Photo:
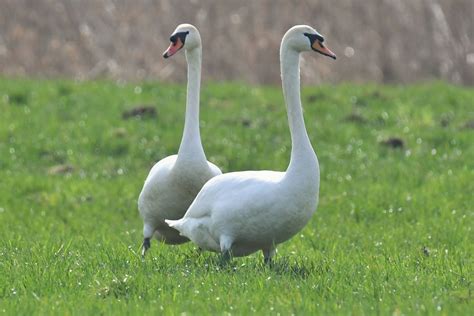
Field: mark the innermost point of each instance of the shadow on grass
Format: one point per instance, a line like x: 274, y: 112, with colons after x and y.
x: 195, y: 261
x: 283, y: 266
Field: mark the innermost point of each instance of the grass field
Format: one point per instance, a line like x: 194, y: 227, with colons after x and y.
x: 393, y: 233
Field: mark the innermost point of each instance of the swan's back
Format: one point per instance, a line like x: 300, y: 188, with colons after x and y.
x: 231, y: 190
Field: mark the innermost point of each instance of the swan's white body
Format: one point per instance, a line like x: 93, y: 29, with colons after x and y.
x: 243, y: 212
x: 174, y: 181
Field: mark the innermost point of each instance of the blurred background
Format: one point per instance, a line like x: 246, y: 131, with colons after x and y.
x: 383, y: 41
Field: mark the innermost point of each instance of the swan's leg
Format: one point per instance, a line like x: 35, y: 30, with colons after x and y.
x: 147, y: 234
x: 145, y: 246
x: 226, y: 248
x: 268, y: 254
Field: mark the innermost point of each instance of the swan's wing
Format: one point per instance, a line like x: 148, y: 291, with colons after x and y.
x: 236, y: 190
x: 158, y: 173
x: 161, y: 167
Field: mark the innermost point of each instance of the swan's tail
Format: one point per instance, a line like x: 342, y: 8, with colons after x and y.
x: 196, y: 230
x: 176, y: 224
x: 183, y: 226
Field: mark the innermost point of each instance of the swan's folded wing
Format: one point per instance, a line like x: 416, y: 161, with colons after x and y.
x: 234, y: 189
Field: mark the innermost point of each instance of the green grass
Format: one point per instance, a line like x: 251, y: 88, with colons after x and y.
x: 392, y: 234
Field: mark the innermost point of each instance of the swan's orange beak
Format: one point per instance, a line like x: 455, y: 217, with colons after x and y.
x: 173, y: 48
x: 320, y: 48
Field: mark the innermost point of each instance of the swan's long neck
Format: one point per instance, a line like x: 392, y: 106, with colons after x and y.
x: 191, y: 147
x: 303, y: 159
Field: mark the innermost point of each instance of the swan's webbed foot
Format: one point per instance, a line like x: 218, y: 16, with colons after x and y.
x: 145, y: 246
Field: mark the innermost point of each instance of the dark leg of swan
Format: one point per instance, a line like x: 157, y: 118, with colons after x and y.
x: 226, y: 249
x: 226, y: 257
x: 147, y: 234
x: 268, y: 255
x: 267, y: 261
x: 145, y: 246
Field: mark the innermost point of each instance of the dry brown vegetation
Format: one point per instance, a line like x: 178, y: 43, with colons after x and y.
x: 375, y: 40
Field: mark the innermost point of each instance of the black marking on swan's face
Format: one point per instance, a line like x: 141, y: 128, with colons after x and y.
x: 180, y: 35
x: 316, y: 43
x: 314, y: 37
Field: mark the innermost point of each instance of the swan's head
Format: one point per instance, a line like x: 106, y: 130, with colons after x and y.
x: 303, y: 38
x: 185, y: 35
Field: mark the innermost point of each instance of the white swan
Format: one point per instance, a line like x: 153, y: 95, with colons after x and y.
x: 174, y: 181
x: 242, y: 212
